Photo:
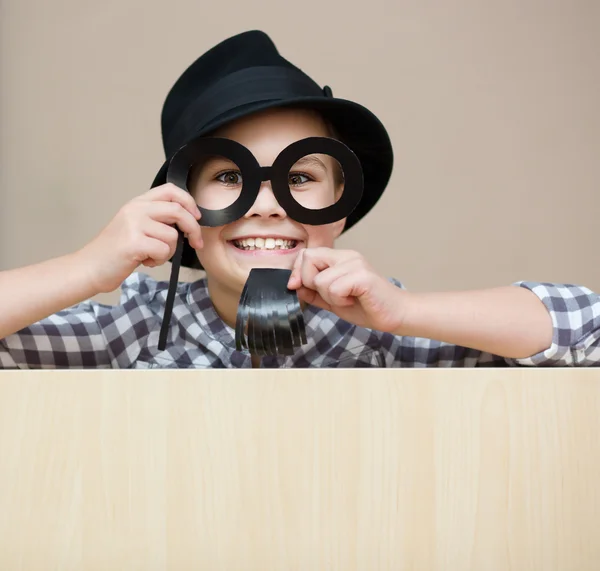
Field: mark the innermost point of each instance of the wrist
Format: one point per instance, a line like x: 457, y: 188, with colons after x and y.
x: 436, y: 315
x: 83, y: 275
x: 407, y: 312
x: 391, y: 312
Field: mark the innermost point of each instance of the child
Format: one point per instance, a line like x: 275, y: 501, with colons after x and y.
x: 243, y: 90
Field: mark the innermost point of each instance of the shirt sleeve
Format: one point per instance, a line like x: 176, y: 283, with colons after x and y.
x: 89, y: 334
x: 575, y: 314
x: 71, y: 338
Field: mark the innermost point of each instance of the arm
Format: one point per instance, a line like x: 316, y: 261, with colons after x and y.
x: 452, y: 339
x: 31, y: 293
x: 142, y: 232
x: 35, y: 329
x: 528, y: 323
x: 510, y: 322
x: 45, y: 320
x: 88, y: 334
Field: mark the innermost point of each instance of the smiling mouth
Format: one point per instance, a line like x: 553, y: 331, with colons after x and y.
x: 265, y: 244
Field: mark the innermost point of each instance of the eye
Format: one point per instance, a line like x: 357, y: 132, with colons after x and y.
x: 296, y: 179
x: 230, y: 177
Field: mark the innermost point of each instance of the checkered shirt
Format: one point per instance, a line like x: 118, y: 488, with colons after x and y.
x: 125, y: 336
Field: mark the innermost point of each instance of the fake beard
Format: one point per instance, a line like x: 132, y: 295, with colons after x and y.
x: 269, y: 318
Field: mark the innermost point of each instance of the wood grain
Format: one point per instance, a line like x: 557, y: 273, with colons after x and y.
x: 300, y: 470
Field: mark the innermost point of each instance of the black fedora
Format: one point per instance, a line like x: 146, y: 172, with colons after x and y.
x: 245, y: 74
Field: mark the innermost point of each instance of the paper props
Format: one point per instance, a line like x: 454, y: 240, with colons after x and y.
x: 269, y: 319
x: 316, y: 181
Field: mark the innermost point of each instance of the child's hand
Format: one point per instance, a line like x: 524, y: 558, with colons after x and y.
x: 341, y: 281
x: 142, y: 232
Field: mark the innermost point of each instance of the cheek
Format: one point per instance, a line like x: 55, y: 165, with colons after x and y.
x: 213, y: 245
x: 320, y: 236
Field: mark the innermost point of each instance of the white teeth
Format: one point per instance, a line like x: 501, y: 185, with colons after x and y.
x: 265, y: 244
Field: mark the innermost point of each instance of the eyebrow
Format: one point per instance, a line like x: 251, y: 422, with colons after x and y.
x: 210, y: 165
x: 311, y: 160
x: 218, y: 161
x: 212, y: 159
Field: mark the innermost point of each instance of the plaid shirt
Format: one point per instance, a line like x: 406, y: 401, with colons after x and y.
x: 125, y: 336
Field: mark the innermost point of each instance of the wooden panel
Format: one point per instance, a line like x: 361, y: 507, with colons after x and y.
x: 457, y: 469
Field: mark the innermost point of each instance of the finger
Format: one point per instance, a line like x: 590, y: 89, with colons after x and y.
x: 323, y: 256
x: 295, y: 280
x: 163, y: 232
x: 171, y: 193
x: 316, y: 260
x: 174, y: 213
x: 310, y: 261
x: 312, y: 297
x: 324, y: 280
x: 154, y: 251
x: 341, y: 291
x: 311, y: 265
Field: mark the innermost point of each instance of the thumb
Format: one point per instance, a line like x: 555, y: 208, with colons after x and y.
x: 311, y: 297
x: 295, y: 280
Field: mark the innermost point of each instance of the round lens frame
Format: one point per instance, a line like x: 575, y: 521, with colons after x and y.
x: 253, y: 175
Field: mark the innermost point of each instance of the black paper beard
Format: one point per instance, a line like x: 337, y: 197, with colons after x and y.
x: 269, y: 318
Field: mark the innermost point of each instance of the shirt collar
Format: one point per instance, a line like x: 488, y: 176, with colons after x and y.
x: 201, y: 306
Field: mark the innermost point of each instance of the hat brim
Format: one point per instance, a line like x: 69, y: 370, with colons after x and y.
x: 357, y: 127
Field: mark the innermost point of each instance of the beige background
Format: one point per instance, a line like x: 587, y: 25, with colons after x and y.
x: 492, y: 108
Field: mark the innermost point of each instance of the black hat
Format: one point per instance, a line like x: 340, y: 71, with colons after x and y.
x: 245, y: 74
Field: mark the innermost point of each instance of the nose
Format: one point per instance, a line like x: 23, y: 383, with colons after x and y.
x: 266, y: 205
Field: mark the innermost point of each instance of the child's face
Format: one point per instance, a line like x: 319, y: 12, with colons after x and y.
x: 215, y: 184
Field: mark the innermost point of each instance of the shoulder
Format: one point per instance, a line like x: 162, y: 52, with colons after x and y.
x: 147, y: 296
x: 142, y: 287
